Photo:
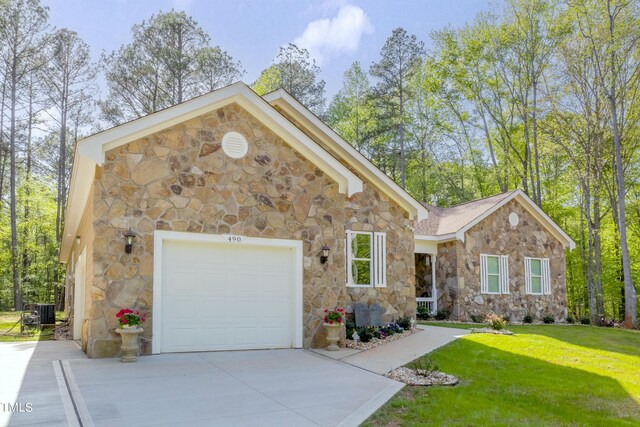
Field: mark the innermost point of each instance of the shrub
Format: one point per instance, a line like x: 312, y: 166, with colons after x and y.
x: 528, y: 318
x: 570, y: 319
x: 506, y: 318
x: 423, y: 313
x: 585, y: 320
x: 424, y: 366
x: 442, y: 315
x: 350, y: 328
x: 496, y: 322
x: 548, y: 319
x: 404, y: 323
x: 365, y: 333
x: 477, y: 318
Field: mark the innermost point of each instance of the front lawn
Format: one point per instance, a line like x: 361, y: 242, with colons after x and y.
x: 548, y: 375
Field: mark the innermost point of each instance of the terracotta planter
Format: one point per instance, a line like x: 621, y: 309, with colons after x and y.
x: 333, y: 335
x: 129, y: 348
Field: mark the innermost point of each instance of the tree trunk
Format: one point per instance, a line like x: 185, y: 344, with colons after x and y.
x: 17, y: 301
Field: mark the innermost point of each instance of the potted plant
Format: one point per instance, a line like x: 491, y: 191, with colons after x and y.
x: 333, y: 323
x: 129, y: 330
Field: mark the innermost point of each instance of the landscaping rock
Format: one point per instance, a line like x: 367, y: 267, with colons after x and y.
x: 420, y: 377
x: 377, y: 342
x: 490, y: 331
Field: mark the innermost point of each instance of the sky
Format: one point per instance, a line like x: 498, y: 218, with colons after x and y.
x: 336, y: 32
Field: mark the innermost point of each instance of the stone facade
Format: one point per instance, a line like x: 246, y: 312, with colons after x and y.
x: 458, y: 270
x: 180, y: 179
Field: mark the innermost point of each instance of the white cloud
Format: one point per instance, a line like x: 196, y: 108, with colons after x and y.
x: 328, y: 37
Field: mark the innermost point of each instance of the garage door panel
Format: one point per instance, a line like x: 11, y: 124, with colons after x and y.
x: 223, y: 297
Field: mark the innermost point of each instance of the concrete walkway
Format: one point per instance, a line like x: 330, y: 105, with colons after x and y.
x: 27, y: 376
x: 397, y: 353
x: 269, y: 387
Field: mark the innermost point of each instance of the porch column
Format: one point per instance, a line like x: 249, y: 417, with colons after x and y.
x: 434, y: 294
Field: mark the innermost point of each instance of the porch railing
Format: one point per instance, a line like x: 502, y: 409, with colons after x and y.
x: 429, y: 303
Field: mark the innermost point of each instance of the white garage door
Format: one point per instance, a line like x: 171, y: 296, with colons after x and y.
x: 218, y: 296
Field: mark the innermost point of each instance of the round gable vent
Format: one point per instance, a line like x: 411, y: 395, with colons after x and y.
x: 234, y: 145
x: 514, y: 219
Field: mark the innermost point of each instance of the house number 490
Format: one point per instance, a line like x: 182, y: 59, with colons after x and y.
x: 234, y: 239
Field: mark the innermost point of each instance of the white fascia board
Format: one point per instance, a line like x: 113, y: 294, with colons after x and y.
x: 95, y: 147
x: 533, y: 209
x: 439, y: 239
x: 349, y: 153
x: 262, y: 110
x: 91, y: 150
x: 82, y: 177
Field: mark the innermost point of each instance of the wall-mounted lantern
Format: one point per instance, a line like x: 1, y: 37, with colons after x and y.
x: 325, y: 254
x: 129, y: 236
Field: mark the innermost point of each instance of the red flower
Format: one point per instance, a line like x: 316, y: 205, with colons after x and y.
x: 339, y: 320
x: 124, y: 320
x: 326, y: 310
x: 142, y: 319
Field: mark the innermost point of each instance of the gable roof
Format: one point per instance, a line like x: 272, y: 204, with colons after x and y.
x: 90, y: 151
x: 444, y: 224
x: 281, y: 98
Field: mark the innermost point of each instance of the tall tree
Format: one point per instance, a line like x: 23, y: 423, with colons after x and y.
x: 168, y: 61
x: 68, y: 77
x: 295, y: 71
x: 612, y: 31
x: 22, y: 24
x: 351, y: 111
x: 402, y: 56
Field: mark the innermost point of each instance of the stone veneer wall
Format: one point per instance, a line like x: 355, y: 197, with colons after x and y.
x: 447, y: 278
x: 180, y: 179
x: 496, y: 236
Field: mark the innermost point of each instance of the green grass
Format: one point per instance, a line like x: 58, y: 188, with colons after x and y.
x: 8, y: 334
x: 549, y: 375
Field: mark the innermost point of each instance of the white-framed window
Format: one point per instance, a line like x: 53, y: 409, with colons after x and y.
x: 366, y: 259
x: 494, y: 274
x: 537, y: 276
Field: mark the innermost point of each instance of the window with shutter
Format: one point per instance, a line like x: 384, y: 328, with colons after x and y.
x: 494, y: 274
x: 537, y: 276
x: 366, y: 259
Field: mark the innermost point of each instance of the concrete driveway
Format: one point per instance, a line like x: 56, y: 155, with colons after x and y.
x: 271, y: 387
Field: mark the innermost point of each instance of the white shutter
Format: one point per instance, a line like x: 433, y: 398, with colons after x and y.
x: 379, y: 260
x: 348, y: 253
x: 546, y: 277
x: 527, y: 275
x: 484, y: 285
x: 504, y: 274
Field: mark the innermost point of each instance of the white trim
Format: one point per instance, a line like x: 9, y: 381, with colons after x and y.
x: 440, y: 239
x: 532, y: 208
x: 380, y: 260
x: 345, y: 150
x: 526, y: 202
x: 159, y: 236
x: 91, y: 150
x: 79, y: 282
x: 425, y: 247
x: 503, y: 274
x: 377, y: 259
x: 545, y: 276
x: 350, y: 258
